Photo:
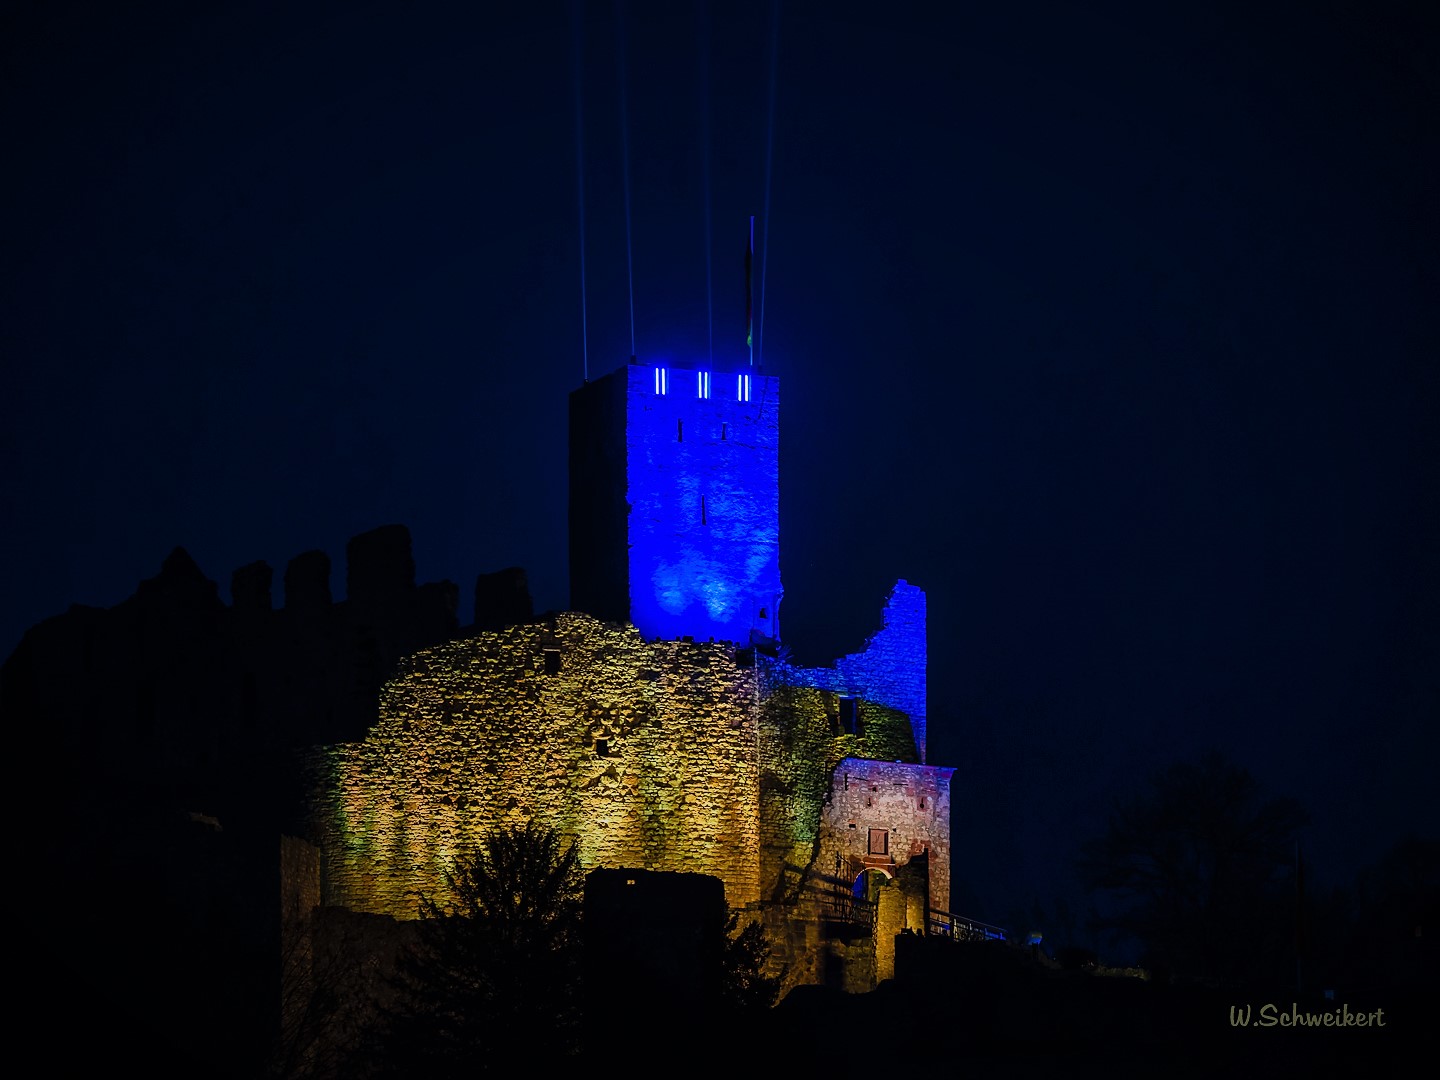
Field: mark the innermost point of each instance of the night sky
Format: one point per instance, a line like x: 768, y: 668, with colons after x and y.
x: 1114, y: 330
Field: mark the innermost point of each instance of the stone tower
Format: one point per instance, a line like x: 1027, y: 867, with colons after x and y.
x: 675, y: 502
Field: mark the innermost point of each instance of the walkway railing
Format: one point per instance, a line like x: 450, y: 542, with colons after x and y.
x: 961, y: 928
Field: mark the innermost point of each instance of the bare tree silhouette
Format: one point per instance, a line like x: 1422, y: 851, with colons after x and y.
x: 1201, y: 867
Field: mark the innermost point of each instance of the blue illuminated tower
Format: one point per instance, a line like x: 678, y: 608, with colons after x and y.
x: 675, y: 502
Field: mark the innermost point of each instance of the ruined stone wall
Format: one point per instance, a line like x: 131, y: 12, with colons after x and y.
x: 890, y: 919
x: 890, y: 670
x: 645, y: 753
x: 801, y: 743
x: 909, y: 804
x: 172, y: 690
x: 807, y: 950
x: 820, y: 939
x: 299, y: 880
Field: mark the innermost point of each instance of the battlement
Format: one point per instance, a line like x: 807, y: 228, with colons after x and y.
x: 701, y: 381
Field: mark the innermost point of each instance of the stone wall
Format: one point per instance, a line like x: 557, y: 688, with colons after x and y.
x: 645, y: 753
x: 669, y: 755
x: 907, y: 809
x: 174, y: 687
x: 890, y: 670
x: 299, y: 880
x: 663, y: 755
x: 801, y: 745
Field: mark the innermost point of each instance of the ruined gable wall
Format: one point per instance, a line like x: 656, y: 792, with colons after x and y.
x: 890, y: 670
x: 476, y: 734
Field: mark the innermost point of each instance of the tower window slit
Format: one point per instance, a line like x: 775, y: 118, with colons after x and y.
x: 849, y: 716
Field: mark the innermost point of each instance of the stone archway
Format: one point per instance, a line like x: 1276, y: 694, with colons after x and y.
x: 867, y: 884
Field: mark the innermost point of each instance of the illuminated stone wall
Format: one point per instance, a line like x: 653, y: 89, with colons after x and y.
x: 644, y: 752
x: 890, y: 670
x: 668, y: 755
x: 802, y: 744
x: 909, y: 804
x: 658, y: 755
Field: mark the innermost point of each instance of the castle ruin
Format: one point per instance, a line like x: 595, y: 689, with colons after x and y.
x: 659, y: 726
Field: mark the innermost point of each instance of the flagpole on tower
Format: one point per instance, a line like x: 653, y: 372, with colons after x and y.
x: 749, y: 294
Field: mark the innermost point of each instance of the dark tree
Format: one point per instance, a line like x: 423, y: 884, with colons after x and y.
x: 334, y: 965
x: 745, y: 983
x: 494, y: 968
x: 1387, y: 939
x: 1200, y: 869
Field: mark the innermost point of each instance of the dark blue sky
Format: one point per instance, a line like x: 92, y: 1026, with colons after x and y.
x: 1114, y: 330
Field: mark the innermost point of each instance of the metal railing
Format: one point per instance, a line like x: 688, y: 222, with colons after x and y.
x: 946, y: 924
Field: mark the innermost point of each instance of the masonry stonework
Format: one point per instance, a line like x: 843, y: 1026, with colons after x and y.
x: 879, y: 815
x: 890, y: 670
x: 644, y: 753
x: 682, y: 756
